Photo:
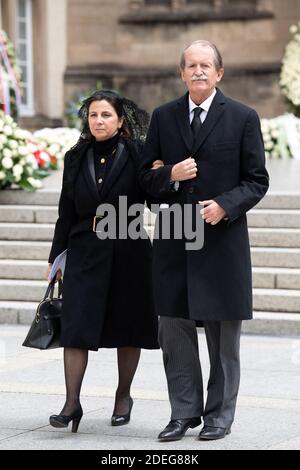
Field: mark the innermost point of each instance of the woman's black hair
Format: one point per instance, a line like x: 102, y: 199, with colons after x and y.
x: 135, y: 120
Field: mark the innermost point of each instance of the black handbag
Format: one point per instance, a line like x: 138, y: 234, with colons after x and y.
x: 44, y: 332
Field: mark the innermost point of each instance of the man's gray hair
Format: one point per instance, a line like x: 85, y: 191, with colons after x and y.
x: 201, y: 42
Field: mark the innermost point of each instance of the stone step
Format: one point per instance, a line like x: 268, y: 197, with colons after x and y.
x: 23, y: 269
x: 264, y: 323
x: 275, y: 257
x: 12, y: 312
x: 23, y: 231
x: 22, y: 290
x: 275, y: 237
x: 270, y: 278
x: 274, y: 324
x: 20, y: 250
x: 30, y: 214
x: 276, y: 278
x: 276, y: 300
x: 264, y: 237
x: 277, y: 218
x: 40, y: 197
x: 280, y: 200
x: 264, y: 218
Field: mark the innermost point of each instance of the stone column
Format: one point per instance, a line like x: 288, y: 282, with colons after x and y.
x: 8, y: 18
x: 50, y: 31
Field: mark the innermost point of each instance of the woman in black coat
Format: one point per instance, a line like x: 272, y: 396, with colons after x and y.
x: 107, y: 290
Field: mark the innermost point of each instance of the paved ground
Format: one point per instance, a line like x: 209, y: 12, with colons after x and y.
x: 32, y: 388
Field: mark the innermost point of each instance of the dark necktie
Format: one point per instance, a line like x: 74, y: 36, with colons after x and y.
x: 196, y: 122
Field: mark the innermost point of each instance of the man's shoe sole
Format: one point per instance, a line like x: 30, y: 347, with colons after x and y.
x: 204, y: 438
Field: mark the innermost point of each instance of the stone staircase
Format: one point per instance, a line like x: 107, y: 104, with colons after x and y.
x: 27, y: 225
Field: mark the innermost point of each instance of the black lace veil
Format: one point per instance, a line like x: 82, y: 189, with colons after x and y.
x: 136, y: 120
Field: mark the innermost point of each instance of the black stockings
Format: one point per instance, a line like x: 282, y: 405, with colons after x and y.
x: 75, y: 362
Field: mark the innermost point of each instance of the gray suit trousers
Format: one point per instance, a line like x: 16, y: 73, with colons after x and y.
x: 178, y: 340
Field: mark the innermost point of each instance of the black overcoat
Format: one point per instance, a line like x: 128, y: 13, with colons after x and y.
x: 107, y: 287
x: 212, y: 283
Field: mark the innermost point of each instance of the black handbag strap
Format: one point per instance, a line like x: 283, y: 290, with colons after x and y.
x: 50, y: 289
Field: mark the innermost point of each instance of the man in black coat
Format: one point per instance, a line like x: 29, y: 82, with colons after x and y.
x: 208, y: 153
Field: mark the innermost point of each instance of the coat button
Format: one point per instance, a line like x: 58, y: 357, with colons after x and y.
x: 191, y: 190
x: 102, y: 160
x: 100, y: 180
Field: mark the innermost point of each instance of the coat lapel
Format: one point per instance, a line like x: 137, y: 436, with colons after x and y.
x: 120, y: 159
x: 182, y: 117
x: 215, y: 112
x: 89, y: 173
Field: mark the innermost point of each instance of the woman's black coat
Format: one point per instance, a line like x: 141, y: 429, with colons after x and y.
x: 107, y: 291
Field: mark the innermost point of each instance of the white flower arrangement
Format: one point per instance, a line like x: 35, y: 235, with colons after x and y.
x: 281, y: 136
x: 18, y: 166
x: 290, y: 71
x: 57, y: 142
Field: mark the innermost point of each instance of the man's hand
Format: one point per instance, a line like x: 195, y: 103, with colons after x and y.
x: 157, y: 164
x: 185, y: 170
x: 212, y: 213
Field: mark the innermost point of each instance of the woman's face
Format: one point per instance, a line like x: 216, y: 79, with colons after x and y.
x: 104, y: 122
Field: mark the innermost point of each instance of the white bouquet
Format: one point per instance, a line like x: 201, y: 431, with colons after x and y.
x: 18, y: 166
x: 57, y: 142
x: 275, y: 138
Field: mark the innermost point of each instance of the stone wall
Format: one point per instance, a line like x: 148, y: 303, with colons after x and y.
x: 136, y: 49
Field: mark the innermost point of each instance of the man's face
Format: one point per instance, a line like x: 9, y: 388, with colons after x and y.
x: 200, y: 73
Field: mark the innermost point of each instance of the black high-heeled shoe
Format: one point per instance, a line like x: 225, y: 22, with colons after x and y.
x: 119, y: 420
x: 62, y: 421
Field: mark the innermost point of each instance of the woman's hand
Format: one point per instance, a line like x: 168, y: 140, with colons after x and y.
x: 58, y: 274
x: 157, y: 164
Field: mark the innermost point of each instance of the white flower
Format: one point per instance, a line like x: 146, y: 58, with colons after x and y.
x: 290, y: 71
x: 293, y: 29
x: 21, y: 134
x: 7, y: 130
x: 268, y: 145
x: 31, y: 160
x: 45, y: 156
x: 34, y: 182
x: 7, y: 153
x: 13, y: 144
x: 23, y: 150
x: 53, y: 149
x: 8, y: 119
x: 2, y: 175
x: 17, y: 170
x: 7, y: 163
x: 3, y: 138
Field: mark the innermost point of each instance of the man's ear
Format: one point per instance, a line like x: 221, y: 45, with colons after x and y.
x: 220, y: 74
x: 182, y: 75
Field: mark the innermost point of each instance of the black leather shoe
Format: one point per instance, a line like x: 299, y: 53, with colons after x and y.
x: 62, y: 421
x: 119, y: 420
x: 177, y: 428
x: 210, y: 433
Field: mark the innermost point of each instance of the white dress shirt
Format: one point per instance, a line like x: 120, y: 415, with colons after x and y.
x: 205, y: 106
